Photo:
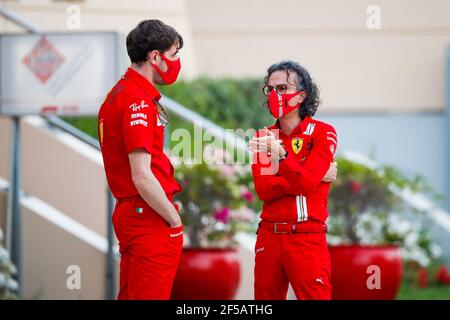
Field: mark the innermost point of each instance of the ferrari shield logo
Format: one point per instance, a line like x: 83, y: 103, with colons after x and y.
x: 297, y: 144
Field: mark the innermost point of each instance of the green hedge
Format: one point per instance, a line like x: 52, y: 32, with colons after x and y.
x: 230, y: 103
x: 86, y: 124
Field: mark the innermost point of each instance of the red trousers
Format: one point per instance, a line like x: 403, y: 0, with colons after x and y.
x: 150, y: 251
x: 300, y: 259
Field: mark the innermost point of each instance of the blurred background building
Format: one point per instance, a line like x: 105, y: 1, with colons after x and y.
x: 384, y: 89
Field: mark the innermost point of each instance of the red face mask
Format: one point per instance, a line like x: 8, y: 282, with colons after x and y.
x: 173, y: 69
x: 278, y: 103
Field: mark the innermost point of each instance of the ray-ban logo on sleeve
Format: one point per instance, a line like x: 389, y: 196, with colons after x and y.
x: 135, y: 107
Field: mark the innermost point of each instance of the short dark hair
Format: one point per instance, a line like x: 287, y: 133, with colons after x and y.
x: 151, y: 35
x: 305, y: 82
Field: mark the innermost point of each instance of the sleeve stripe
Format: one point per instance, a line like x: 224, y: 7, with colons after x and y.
x: 332, y: 133
x: 329, y: 138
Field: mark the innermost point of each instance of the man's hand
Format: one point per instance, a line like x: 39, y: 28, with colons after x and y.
x: 331, y: 174
x: 176, y: 222
x: 150, y: 189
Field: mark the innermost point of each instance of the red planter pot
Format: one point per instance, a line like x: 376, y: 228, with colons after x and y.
x: 207, y: 274
x: 351, y: 271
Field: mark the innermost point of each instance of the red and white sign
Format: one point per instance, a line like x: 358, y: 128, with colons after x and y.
x: 43, y: 60
x: 59, y: 73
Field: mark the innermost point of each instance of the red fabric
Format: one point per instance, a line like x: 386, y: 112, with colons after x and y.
x: 279, y: 103
x: 309, y: 226
x: 292, y: 190
x: 150, y: 251
x: 300, y: 259
x: 173, y: 69
x: 128, y: 120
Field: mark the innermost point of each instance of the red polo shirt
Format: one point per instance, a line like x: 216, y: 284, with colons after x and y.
x: 128, y: 120
x: 293, y: 190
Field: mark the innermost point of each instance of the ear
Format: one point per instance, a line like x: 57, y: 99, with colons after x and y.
x: 302, y: 96
x: 299, y: 98
x: 153, y: 57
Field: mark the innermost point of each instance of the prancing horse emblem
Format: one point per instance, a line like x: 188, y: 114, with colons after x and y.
x: 297, y: 144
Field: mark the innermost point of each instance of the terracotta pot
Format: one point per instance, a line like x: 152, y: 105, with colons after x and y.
x: 355, y: 268
x: 207, y: 274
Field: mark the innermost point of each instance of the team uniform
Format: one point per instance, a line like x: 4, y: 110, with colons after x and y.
x: 291, y: 239
x: 150, y: 250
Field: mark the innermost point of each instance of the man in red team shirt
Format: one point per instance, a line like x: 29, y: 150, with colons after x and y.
x: 131, y: 133
x: 292, y: 168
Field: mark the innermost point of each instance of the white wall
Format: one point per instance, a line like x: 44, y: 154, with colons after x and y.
x: 398, y: 68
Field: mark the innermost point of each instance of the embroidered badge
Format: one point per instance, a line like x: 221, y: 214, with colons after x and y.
x: 297, y: 144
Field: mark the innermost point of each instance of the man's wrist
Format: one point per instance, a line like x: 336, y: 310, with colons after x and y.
x: 175, y: 222
x: 283, y: 156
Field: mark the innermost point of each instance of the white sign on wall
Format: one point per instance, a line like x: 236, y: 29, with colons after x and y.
x: 62, y: 73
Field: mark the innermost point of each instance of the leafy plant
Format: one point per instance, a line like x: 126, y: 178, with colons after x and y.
x: 216, y: 203
x: 365, y: 210
x: 231, y: 103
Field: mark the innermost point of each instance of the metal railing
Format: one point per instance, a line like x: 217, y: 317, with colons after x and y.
x: 14, y: 214
x: 18, y: 20
x: 14, y: 221
x: 57, y: 122
x: 73, y: 131
x: 187, y: 114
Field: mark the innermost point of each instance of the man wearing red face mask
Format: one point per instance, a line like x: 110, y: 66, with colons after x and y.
x: 293, y: 167
x: 131, y: 132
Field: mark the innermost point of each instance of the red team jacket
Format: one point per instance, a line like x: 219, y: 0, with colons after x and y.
x: 292, y: 190
x: 128, y: 120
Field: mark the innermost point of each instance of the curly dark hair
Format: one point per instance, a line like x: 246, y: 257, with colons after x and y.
x: 151, y: 35
x: 305, y: 82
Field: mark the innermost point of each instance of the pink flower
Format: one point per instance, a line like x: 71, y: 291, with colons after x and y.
x: 226, y: 170
x: 222, y: 215
x: 247, y: 195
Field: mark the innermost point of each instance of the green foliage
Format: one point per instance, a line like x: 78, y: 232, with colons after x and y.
x: 433, y: 290
x: 231, y: 103
x: 359, y: 189
x: 216, y: 202
x: 431, y: 293
x: 365, y: 209
x: 87, y: 124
